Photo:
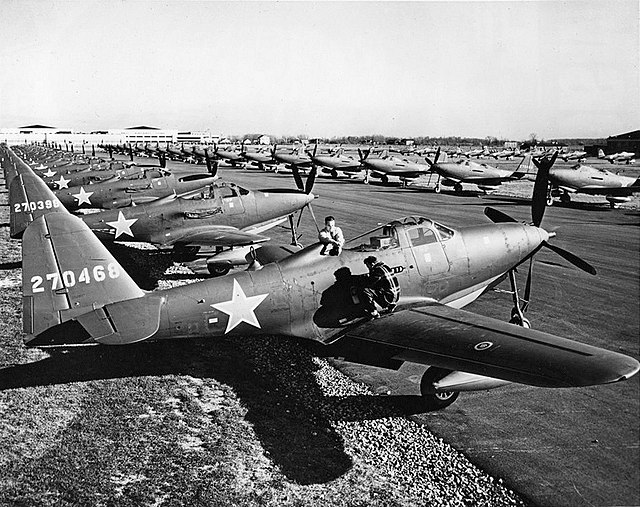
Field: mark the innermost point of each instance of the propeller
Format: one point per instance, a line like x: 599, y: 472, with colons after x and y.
x: 538, y: 206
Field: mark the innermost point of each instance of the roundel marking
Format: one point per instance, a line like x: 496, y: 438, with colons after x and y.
x: 483, y: 345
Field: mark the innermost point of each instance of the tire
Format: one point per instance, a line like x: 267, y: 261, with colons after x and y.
x: 385, y: 180
x: 432, y: 400
x: 334, y: 173
x: 565, y: 199
x: 458, y: 188
x: 218, y: 269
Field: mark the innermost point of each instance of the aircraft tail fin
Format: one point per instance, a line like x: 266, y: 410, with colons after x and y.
x: 68, y: 277
x: 29, y: 198
x: 524, y: 168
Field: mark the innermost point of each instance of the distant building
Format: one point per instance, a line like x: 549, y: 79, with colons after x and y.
x: 511, y: 145
x: 196, y: 137
x: 624, y: 142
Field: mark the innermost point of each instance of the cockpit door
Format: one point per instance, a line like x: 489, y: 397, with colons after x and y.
x: 427, y: 251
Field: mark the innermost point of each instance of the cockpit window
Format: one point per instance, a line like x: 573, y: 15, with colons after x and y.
x: 421, y: 236
x: 445, y: 232
x: 243, y: 191
x: 228, y: 192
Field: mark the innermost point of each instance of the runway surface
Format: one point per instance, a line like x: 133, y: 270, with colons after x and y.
x: 554, y: 447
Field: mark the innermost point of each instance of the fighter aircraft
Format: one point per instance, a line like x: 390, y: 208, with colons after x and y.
x: 386, y: 166
x: 220, y: 215
x: 486, y: 177
x: 506, y: 154
x: 585, y: 179
x: 75, y: 292
x: 573, y: 155
x: 477, y: 153
x: 232, y: 157
x: 151, y: 184
x: 295, y: 158
x: 623, y: 156
x: 261, y: 158
x: 335, y: 162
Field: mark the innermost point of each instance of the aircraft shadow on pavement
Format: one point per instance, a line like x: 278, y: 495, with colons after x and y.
x: 273, y: 377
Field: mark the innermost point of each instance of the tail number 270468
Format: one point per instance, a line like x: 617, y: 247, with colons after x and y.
x: 68, y: 278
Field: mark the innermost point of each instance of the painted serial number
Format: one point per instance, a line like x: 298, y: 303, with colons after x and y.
x: 67, y: 279
x: 35, y: 205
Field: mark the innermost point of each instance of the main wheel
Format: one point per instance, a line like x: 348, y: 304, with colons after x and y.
x: 458, y: 188
x: 385, y: 180
x: 334, y: 173
x: 565, y: 198
x: 217, y: 269
x: 432, y: 399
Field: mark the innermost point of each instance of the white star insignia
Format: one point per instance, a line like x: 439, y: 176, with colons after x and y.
x: 49, y: 173
x: 83, y: 196
x: 241, y: 308
x: 122, y: 225
x: 62, y: 183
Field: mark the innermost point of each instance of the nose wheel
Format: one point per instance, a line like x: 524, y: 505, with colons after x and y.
x: 517, y: 312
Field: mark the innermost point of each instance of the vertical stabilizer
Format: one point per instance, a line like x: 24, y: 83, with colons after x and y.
x: 67, y: 272
x: 526, y: 167
x: 29, y: 198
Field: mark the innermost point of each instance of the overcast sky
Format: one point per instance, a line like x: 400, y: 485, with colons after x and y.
x: 504, y: 69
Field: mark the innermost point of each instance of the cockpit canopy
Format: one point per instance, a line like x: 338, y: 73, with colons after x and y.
x: 222, y: 190
x: 406, y: 232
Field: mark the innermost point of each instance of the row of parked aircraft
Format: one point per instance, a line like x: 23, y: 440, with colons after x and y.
x: 563, y: 181
x: 76, y: 292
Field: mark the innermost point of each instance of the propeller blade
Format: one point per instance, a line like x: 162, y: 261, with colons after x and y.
x: 435, y: 160
x: 540, y: 187
x: 93, y: 150
x: 212, y: 165
x: 83, y: 152
x: 311, y: 179
x: 296, y: 177
x: 572, y: 258
x: 498, y: 217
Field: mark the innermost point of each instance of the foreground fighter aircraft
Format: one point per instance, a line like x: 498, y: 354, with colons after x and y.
x: 486, y: 177
x: 585, y: 179
x: 75, y: 292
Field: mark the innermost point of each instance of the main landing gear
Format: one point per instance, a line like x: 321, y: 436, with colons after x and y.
x: 517, y: 312
x: 435, y: 400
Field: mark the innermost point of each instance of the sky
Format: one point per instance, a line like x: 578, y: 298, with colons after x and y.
x: 423, y: 68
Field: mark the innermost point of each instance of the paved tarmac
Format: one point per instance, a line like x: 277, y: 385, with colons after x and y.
x: 554, y: 447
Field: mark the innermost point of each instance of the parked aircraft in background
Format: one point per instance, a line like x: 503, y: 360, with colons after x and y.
x: 573, y: 155
x: 584, y: 179
x: 261, y: 157
x: 335, y: 162
x: 219, y: 215
x: 385, y: 166
x: 477, y: 153
x: 76, y: 292
x: 151, y: 184
x: 623, y: 156
x: 507, y: 154
x: 295, y: 158
x: 486, y: 177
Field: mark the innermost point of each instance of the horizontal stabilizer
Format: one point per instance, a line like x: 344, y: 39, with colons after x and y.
x: 454, y: 339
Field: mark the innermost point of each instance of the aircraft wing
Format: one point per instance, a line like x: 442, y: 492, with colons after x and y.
x: 218, y: 235
x: 615, y: 191
x: 458, y: 340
